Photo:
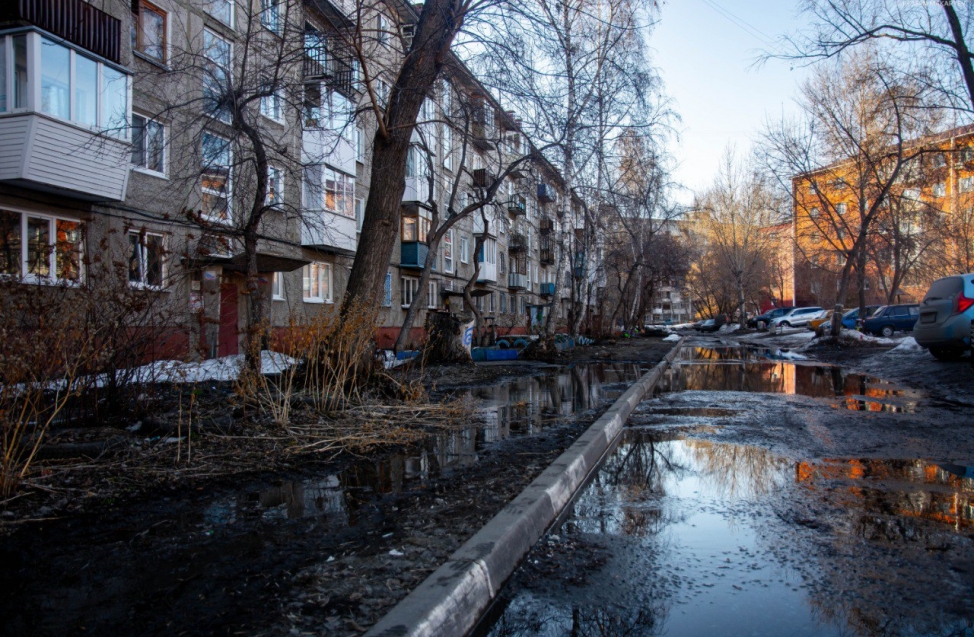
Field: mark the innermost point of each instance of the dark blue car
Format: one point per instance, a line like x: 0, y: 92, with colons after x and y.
x: 849, y: 318
x: 891, y: 318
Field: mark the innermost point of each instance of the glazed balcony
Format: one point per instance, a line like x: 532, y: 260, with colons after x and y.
x: 412, y: 255
x: 517, y: 281
x: 547, y: 289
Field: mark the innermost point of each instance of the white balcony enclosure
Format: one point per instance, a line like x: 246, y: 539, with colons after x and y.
x: 417, y: 191
x: 42, y: 153
x: 64, y: 117
x: 488, y: 273
x: 324, y: 146
x: 323, y: 229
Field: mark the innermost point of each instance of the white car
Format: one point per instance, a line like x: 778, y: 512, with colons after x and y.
x: 796, y: 317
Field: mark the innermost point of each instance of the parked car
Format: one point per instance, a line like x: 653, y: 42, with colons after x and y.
x: 817, y: 323
x: 706, y: 325
x: 891, y: 318
x: 796, y: 317
x: 760, y: 322
x: 945, y: 317
x: 850, y: 318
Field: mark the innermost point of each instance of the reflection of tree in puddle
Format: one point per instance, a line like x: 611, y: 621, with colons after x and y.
x: 738, y: 470
x: 581, y: 621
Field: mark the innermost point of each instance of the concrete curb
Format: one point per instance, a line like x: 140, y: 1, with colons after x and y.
x: 452, y: 598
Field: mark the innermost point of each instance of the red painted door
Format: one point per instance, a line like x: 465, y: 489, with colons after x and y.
x: 229, y: 333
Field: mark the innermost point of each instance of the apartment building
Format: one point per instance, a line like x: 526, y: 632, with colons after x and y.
x: 923, y: 230
x: 135, y: 138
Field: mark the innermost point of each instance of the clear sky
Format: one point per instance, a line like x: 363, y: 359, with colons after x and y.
x: 705, y: 51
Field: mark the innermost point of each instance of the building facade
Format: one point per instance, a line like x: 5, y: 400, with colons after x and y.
x: 136, y: 138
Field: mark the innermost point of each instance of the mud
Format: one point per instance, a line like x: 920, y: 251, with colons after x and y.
x: 320, y: 549
x: 758, y: 496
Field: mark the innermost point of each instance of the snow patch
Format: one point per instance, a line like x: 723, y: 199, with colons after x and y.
x: 672, y: 338
x: 908, y: 346
x: 217, y: 369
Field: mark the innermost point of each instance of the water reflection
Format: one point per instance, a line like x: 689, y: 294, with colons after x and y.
x: 533, y: 618
x: 748, y: 370
x: 735, y: 540
x: 521, y: 407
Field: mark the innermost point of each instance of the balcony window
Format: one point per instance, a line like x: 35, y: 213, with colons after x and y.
x: 71, y: 86
x: 215, y: 178
x: 316, y: 283
x: 217, y: 52
x: 146, y: 256
x: 42, y: 248
x: 149, y: 31
x: 329, y: 189
x: 148, y: 144
x: 275, y: 187
x: 415, y: 229
x: 448, y: 252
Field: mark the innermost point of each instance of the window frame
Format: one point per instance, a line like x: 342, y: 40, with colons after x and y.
x: 226, y: 69
x: 142, y: 283
x: 143, y: 167
x: 269, y: 7
x: 138, y: 30
x: 277, y: 287
x: 229, y: 180
x: 387, y: 290
x: 272, y: 107
x: 230, y: 6
x: 408, y: 287
x: 323, y: 281
x: 449, y: 262
x: 275, y: 178
x: 464, y: 250
x: 53, y: 277
x: 432, y: 295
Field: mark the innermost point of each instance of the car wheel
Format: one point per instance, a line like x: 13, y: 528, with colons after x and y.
x: 762, y: 325
x: 785, y: 324
x: 946, y: 353
x: 887, y: 331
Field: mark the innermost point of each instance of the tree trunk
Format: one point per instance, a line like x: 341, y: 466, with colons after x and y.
x: 962, y: 53
x: 438, y: 24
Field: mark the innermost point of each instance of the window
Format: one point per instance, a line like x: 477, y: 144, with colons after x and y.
x: 40, y: 248
x: 415, y: 228
x: 215, y: 75
x: 814, y: 212
x: 272, y: 106
x: 148, y: 144
x: 149, y: 31
x: 938, y: 160
x: 359, y: 145
x: 381, y: 29
x: 145, y: 260
x: 275, y: 187
x: 965, y: 184
x: 939, y: 190
x: 432, y: 295
x: 328, y: 189
x: 503, y: 303
x: 215, y: 178
x: 69, y: 85
x: 840, y: 208
x: 222, y: 10
x: 270, y: 15
x: 448, y: 252
x: 409, y: 287
x: 464, y: 250
x: 277, y: 286
x: 316, y: 283
x: 447, y: 149
x: 387, y: 291
x: 382, y: 92
x: 966, y: 154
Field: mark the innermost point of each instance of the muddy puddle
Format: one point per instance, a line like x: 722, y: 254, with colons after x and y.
x: 520, y: 407
x: 749, y: 369
x: 677, y: 535
x: 690, y: 537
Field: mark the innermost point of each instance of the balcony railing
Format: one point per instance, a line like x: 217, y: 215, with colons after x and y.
x: 413, y: 254
x: 517, y: 243
x: 547, y: 256
x: 482, y: 178
x: 74, y: 20
x: 546, y: 194
x: 547, y: 289
x: 546, y: 225
x: 517, y: 206
x: 328, y: 60
x: 517, y: 281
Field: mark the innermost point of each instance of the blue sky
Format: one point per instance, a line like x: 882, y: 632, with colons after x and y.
x: 705, y: 51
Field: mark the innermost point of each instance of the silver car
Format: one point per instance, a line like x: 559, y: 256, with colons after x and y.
x: 945, y: 317
x: 796, y: 317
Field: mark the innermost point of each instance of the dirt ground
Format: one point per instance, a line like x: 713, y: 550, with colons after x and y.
x: 234, y: 553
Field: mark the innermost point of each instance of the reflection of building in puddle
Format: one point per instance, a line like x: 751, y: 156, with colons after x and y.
x: 322, y: 497
x: 890, y: 487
